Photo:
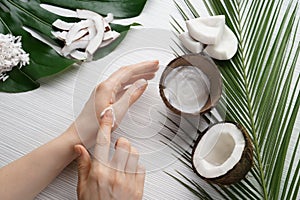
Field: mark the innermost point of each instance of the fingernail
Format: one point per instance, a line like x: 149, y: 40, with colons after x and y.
x: 108, y: 114
x: 141, y: 83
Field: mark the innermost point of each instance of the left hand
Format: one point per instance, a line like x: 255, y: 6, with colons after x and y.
x: 112, y: 92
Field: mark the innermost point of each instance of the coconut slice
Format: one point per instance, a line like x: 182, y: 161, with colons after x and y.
x: 62, y: 25
x: 96, y: 41
x: 226, y: 48
x: 223, y: 154
x: 76, y: 28
x: 79, y: 44
x: 189, y: 43
x: 191, y: 84
x: 110, y: 35
x: 109, y: 18
x: 207, y: 30
x: 108, y: 42
x: 80, y: 34
x: 79, y: 55
x: 88, y: 35
x: 61, y: 35
x: 92, y: 31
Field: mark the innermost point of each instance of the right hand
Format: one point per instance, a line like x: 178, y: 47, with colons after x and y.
x: 122, y: 178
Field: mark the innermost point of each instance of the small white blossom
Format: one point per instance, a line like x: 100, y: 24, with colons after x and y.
x: 11, y: 54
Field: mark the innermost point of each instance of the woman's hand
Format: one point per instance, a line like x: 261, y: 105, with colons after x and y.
x: 100, y: 179
x: 113, y: 91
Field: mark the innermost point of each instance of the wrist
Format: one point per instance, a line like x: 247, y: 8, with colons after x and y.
x: 72, y: 135
x: 70, y: 138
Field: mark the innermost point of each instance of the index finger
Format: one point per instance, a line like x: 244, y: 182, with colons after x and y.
x: 101, y: 150
x: 124, y: 74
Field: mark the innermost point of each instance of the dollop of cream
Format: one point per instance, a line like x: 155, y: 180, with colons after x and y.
x: 187, y: 89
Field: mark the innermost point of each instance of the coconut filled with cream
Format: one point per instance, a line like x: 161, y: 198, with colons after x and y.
x: 191, y: 84
x: 187, y: 89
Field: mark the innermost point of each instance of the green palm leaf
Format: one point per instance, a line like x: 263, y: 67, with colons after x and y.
x: 44, y: 61
x: 259, y: 94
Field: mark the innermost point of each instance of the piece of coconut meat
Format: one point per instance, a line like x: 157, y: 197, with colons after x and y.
x: 226, y: 48
x: 96, y: 41
x: 79, y: 55
x: 105, y: 43
x: 79, y: 44
x: 62, y: 25
x: 76, y: 28
x: 109, y: 18
x: 207, y: 30
x: 61, y: 35
x: 88, y: 35
x: 189, y: 43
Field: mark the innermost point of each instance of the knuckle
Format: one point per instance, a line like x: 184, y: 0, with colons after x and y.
x: 119, y: 180
x: 104, y: 86
x: 105, y: 122
x: 97, y: 173
x: 103, y: 141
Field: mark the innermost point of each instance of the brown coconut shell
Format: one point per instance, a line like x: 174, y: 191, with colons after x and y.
x: 208, y: 67
x: 240, y: 170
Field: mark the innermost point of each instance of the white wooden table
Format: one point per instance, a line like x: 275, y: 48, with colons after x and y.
x: 31, y: 119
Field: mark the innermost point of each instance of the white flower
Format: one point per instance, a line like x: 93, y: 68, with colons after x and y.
x: 11, y: 54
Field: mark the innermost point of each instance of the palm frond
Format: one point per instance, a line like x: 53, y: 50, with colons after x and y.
x: 260, y: 94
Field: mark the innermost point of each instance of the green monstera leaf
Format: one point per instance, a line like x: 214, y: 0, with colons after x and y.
x: 120, y: 8
x: 44, y: 61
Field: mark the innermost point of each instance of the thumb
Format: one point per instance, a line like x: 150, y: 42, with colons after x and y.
x: 133, y: 93
x: 83, y: 163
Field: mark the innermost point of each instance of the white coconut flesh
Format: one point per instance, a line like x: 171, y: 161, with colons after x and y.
x: 62, y: 25
x: 76, y: 29
x: 226, y: 48
x: 96, y: 41
x: 189, y: 43
x: 207, y: 30
x: 187, y: 89
x: 82, y: 39
x: 219, y: 150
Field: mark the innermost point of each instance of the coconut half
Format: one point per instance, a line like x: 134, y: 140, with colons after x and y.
x: 223, y: 154
x: 207, y: 30
x: 191, y: 84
